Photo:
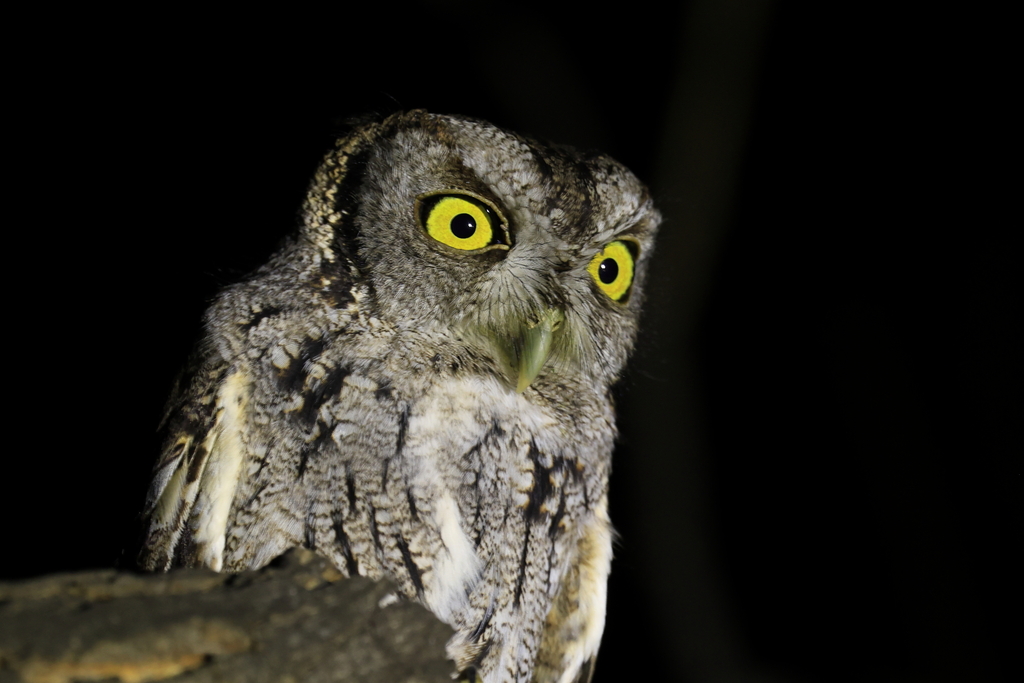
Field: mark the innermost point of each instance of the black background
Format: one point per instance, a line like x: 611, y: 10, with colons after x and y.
x: 820, y: 469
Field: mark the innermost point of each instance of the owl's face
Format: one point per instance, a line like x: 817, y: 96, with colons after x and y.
x: 530, y: 255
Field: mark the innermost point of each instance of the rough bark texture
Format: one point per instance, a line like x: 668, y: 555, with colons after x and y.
x: 295, y: 621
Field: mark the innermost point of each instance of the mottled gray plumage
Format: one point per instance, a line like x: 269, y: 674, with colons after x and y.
x: 433, y: 414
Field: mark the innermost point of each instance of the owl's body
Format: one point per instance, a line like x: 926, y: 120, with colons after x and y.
x: 415, y: 409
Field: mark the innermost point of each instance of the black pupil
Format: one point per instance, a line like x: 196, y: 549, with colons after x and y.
x: 463, y: 226
x: 608, y: 271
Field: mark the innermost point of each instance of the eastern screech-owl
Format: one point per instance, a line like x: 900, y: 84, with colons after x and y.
x: 417, y: 386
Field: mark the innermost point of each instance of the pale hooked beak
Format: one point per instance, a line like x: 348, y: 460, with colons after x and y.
x: 537, y: 338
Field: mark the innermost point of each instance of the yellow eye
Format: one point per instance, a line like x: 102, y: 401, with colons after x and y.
x: 459, y: 222
x: 612, y: 269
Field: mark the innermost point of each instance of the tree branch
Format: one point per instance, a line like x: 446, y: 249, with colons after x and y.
x: 295, y: 621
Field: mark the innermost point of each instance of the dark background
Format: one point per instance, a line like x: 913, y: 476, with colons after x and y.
x: 819, y: 476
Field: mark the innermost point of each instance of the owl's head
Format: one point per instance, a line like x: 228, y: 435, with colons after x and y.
x: 529, y: 255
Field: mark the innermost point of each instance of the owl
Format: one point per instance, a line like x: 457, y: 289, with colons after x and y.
x: 417, y: 386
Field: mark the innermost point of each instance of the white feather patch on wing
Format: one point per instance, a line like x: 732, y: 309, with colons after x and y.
x: 166, y: 507
x: 164, y: 478
x: 169, y: 514
x: 455, y: 569
x: 220, y: 478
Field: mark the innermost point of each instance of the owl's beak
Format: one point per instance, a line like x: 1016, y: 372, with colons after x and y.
x: 537, y: 338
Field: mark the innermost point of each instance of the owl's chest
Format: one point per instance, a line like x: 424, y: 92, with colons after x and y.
x: 486, y: 469
x: 498, y: 454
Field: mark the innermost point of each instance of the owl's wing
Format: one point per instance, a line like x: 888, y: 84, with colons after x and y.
x: 200, y: 427
x: 284, y: 445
